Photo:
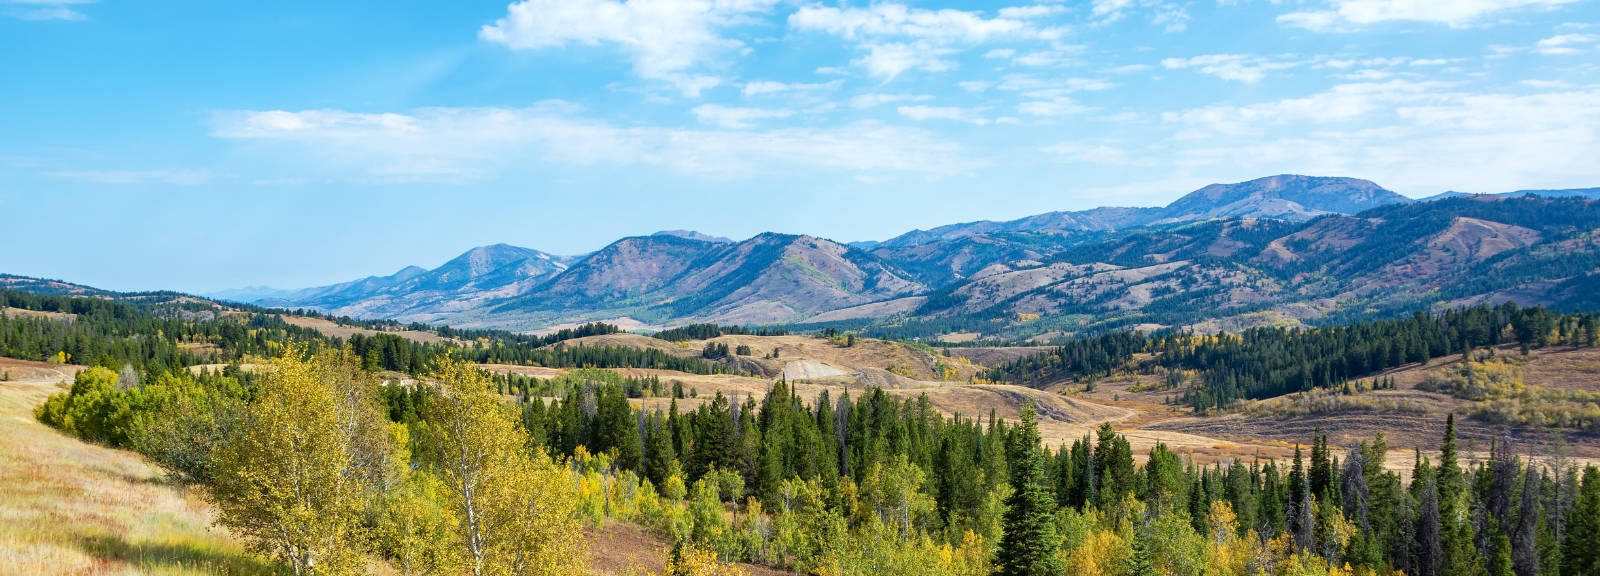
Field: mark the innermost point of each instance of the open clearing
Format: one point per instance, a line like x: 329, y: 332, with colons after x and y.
x: 332, y: 329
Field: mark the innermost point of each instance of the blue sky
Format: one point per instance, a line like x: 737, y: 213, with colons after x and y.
x: 205, y: 145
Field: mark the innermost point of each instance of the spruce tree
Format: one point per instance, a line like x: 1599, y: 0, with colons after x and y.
x: 1580, y: 554
x: 1029, y: 544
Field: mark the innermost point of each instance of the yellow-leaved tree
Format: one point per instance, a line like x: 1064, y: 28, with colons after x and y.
x: 515, y: 510
x: 309, y: 453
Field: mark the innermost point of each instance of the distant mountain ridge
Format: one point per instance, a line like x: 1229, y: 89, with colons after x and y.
x: 1286, y: 196
x: 1231, y: 239
x: 1590, y: 193
x: 249, y: 294
x: 474, y: 278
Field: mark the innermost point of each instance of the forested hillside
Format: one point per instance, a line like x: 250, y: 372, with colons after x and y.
x: 451, y: 482
x: 177, y: 332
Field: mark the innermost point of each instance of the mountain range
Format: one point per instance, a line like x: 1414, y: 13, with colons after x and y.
x: 1278, y: 249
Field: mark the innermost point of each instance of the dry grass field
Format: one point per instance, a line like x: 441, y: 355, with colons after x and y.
x: 331, y: 329
x: 67, y: 507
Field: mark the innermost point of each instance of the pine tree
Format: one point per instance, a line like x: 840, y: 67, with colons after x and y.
x: 1580, y: 553
x: 660, y: 457
x: 1029, y: 544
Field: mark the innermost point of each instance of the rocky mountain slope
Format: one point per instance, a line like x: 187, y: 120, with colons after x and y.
x: 1283, y: 249
x: 471, y: 280
x: 766, y: 279
x: 1233, y: 273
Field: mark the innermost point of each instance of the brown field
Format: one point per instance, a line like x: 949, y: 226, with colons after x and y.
x: 22, y: 370
x: 19, y: 312
x: 331, y: 329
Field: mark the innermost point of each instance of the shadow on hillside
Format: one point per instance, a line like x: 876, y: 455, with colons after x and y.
x: 148, y: 557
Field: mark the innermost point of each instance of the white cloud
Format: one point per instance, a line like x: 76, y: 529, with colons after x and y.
x: 464, y: 144
x: 1344, y: 102
x: 968, y: 115
x: 870, y: 100
x: 1040, y: 58
x: 1036, y: 87
x: 1172, y: 17
x: 1112, y: 8
x: 1422, y: 136
x: 43, y: 9
x: 1128, y: 69
x: 974, y: 85
x: 887, y: 20
x: 665, y: 38
x: 1546, y: 84
x: 1000, y: 53
x: 733, y: 117
x: 899, y: 38
x: 891, y: 59
x: 1565, y: 44
x: 758, y: 87
x: 1094, y: 154
x: 1059, y: 106
x: 1048, y: 97
x: 1241, y: 67
x: 1345, y: 15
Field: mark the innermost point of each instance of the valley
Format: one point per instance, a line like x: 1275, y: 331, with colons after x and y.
x: 790, y: 403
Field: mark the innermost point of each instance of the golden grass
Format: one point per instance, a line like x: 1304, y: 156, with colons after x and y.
x: 68, y: 507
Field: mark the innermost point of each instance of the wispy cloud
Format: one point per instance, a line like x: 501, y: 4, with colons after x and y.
x: 43, y: 9
x: 870, y: 100
x: 1347, y: 15
x: 758, y: 87
x: 1411, y: 134
x: 1566, y: 44
x: 898, y: 38
x: 1090, y: 153
x: 462, y: 144
x: 734, y: 117
x: 1239, y: 67
x: 666, y: 39
x: 968, y: 115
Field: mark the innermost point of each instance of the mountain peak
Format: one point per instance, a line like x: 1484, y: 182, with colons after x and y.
x: 1285, y: 196
x: 693, y: 235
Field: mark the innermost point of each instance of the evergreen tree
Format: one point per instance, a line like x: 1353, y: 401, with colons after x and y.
x: 1029, y: 544
x: 1580, y: 553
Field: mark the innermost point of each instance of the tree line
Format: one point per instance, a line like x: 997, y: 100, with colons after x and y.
x: 709, y: 331
x: 117, y: 333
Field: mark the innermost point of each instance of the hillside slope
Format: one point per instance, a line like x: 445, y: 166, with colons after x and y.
x: 76, y: 508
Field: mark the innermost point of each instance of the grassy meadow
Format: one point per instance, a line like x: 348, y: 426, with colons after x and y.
x: 68, y: 507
